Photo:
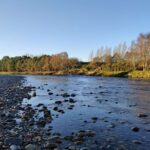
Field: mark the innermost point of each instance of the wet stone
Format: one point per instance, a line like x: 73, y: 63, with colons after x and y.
x: 135, y: 129
x: 14, y: 147
x: 136, y: 142
x: 84, y: 148
x: 34, y: 94
x: 41, y: 122
x: 65, y: 95
x: 30, y: 147
x: 55, y: 108
x: 13, y: 141
x: 71, y: 148
x: 58, y: 102
x: 121, y: 147
x: 71, y: 100
x: 50, y: 93
x: 73, y: 95
x: 51, y: 146
x: 142, y: 115
x: 39, y: 105
x: 94, y: 118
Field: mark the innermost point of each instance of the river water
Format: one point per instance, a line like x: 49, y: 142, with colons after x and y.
x: 107, y: 106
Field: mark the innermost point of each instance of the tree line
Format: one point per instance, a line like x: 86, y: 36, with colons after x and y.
x: 121, y: 58
x: 38, y: 64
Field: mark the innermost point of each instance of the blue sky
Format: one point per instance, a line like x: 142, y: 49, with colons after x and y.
x: 76, y: 26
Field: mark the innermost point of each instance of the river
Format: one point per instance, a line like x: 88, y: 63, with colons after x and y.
x: 110, y: 107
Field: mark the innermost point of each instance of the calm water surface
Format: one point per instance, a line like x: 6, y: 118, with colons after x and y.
x: 116, y: 102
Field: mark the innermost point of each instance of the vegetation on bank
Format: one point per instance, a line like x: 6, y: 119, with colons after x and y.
x: 121, y: 61
x: 139, y: 74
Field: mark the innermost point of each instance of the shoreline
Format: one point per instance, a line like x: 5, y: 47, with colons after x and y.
x: 122, y: 74
x: 27, y: 126
x: 12, y: 93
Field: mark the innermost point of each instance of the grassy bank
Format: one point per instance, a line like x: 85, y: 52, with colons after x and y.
x: 133, y: 74
x: 139, y: 74
x: 72, y: 72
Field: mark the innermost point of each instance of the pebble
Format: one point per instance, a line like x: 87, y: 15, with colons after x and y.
x: 71, y: 148
x: 84, y: 148
x: 34, y: 94
x: 136, y: 142
x: 142, y: 115
x: 135, y: 129
x: 121, y: 147
x: 30, y: 147
x: 14, y: 147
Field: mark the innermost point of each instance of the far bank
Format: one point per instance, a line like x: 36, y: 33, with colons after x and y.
x: 124, y: 74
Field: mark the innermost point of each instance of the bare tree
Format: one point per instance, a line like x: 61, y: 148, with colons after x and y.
x: 91, y: 56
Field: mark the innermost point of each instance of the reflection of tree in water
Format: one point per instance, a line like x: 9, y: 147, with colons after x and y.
x: 140, y: 95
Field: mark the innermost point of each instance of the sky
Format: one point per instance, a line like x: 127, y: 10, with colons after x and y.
x: 39, y: 27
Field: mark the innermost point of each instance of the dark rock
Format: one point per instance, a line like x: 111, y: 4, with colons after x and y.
x: 41, y: 122
x: 142, y: 115
x: 94, y: 118
x: 39, y: 105
x: 65, y: 95
x: 72, y: 100
x: 13, y: 141
x: 50, y: 93
x: 135, y: 129
x: 136, y: 142
x: 61, y: 111
x: 58, y: 102
x: 73, y: 95
x: 121, y: 147
x: 55, y: 108
x: 34, y: 94
x: 51, y: 146
x: 68, y: 138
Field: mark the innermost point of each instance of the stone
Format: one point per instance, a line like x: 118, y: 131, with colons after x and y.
x: 142, y: 115
x: 13, y: 141
x: 136, y: 142
x: 71, y: 100
x: 135, y: 129
x: 14, y: 147
x: 50, y: 93
x: 121, y: 147
x: 84, y: 148
x: 65, y: 95
x: 34, y: 94
x: 58, y: 102
x: 51, y: 146
x: 30, y: 147
x: 55, y: 108
x: 73, y: 95
x: 94, y: 118
x: 41, y: 123
x: 71, y: 148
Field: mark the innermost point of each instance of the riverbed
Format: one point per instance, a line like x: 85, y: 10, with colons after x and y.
x: 115, y: 110
x: 74, y: 113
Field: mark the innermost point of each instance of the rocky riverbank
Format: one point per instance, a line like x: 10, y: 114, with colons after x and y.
x: 54, y: 113
x: 12, y: 93
x: 20, y: 126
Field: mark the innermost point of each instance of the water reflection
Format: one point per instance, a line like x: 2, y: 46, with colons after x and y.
x: 112, y: 100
